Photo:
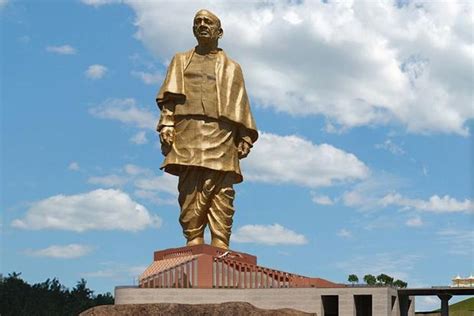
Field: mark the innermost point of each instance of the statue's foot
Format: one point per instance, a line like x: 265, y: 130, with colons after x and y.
x: 216, y: 242
x: 195, y: 241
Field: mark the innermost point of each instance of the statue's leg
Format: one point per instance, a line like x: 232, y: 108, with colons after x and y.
x: 194, y: 201
x: 221, y: 210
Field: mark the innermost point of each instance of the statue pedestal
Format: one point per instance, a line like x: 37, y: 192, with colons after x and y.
x: 205, y: 266
x: 204, y: 274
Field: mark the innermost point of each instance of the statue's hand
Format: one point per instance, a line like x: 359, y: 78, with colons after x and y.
x: 166, y: 139
x: 243, y: 149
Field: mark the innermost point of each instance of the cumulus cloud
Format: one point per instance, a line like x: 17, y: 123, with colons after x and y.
x: 111, y: 180
x: 158, y: 189
x: 139, y: 138
x: 435, y: 203
x: 134, y: 170
x: 457, y: 241
x: 74, y: 166
x: 96, y: 210
x: 268, y: 235
x: 62, y: 50
x: 126, y: 111
x: 98, y: 3
x: 379, y: 191
x: 390, y: 146
x: 322, y: 200
x: 148, y: 77
x: 291, y: 159
x: 70, y: 251
x: 394, y: 264
x: 415, y: 221
x: 116, y: 271
x: 344, y: 233
x: 3, y: 3
x: 95, y: 71
x: 356, y: 62
x: 164, y: 183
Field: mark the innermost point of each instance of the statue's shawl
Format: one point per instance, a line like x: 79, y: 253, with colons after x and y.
x: 232, y: 100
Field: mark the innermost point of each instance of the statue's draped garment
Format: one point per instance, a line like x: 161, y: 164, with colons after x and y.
x: 211, y: 115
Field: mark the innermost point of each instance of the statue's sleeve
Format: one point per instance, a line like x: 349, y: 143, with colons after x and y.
x: 166, y: 115
x: 172, y: 89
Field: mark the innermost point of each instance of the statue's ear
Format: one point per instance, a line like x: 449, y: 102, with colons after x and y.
x: 221, y: 33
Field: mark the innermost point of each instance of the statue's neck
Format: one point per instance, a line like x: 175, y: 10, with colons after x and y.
x: 207, y: 48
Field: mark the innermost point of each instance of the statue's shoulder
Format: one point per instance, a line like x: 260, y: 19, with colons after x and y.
x: 230, y: 61
x: 183, y: 57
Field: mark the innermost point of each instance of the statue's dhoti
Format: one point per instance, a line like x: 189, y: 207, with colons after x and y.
x: 206, y: 197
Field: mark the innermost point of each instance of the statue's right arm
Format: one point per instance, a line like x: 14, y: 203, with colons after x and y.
x: 166, y: 123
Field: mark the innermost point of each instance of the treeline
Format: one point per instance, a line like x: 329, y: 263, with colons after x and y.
x: 381, y: 279
x: 49, y: 298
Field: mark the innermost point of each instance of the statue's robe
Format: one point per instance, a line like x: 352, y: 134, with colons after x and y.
x: 210, y: 118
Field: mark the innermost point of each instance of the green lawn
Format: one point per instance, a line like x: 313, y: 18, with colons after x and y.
x: 463, y: 308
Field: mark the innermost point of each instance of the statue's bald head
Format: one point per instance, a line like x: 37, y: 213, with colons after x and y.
x: 207, y: 26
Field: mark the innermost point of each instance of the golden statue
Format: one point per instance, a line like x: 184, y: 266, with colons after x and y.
x: 205, y: 128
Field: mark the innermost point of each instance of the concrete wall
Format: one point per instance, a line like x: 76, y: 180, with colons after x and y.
x: 303, y: 299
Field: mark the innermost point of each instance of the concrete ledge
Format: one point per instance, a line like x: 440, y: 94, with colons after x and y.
x: 302, y: 299
x: 299, y: 299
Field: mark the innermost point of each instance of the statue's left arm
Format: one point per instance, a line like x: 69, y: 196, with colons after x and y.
x: 245, y: 143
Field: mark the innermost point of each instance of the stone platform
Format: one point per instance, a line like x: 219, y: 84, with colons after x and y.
x: 347, y: 301
x: 204, y: 274
x: 205, y: 266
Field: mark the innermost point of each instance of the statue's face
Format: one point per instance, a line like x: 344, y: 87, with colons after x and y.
x: 206, y: 27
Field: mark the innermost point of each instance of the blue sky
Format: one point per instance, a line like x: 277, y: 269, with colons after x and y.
x: 364, y: 162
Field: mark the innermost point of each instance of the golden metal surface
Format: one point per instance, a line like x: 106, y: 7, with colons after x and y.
x: 205, y: 127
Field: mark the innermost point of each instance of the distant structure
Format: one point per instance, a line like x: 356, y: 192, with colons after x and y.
x: 458, y: 281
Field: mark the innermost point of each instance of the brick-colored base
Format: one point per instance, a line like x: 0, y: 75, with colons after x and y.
x: 205, y: 266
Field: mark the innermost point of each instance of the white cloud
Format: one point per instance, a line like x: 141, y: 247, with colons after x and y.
x: 116, y: 271
x: 344, y: 233
x: 158, y: 189
x: 3, y: 3
x: 148, y: 77
x: 111, y: 180
x: 268, y: 235
x: 62, y: 50
x: 139, y: 138
x: 435, y: 203
x: 96, y: 210
x: 415, y: 221
x: 322, y: 200
x: 127, y: 112
x: 134, y: 170
x: 291, y: 159
x: 70, y: 251
x: 98, y: 3
x: 96, y: 71
x: 164, y: 183
x: 457, y: 241
x: 397, y: 265
x: 74, y: 166
x: 357, y: 62
x: 154, y: 197
x: 391, y: 147
x: 427, y: 303
x: 377, y: 192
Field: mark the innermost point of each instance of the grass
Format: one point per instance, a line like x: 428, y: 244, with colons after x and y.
x: 463, y: 308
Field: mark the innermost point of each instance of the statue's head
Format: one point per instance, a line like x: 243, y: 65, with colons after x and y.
x: 207, y: 27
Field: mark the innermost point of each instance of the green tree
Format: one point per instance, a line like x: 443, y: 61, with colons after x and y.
x: 49, y: 298
x: 370, y: 279
x: 353, y: 279
x: 384, y: 279
x: 400, y: 284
